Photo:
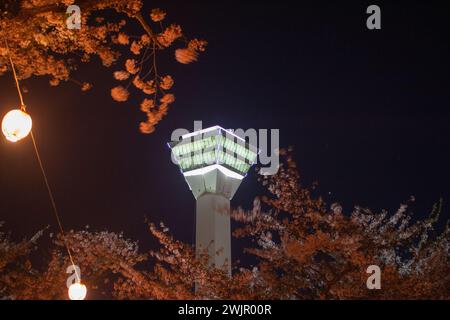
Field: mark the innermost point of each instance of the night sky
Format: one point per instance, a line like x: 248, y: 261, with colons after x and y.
x: 366, y: 111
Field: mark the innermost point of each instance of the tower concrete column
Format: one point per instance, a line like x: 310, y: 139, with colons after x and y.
x: 213, y: 229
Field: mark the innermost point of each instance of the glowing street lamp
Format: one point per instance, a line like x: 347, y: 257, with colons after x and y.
x: 16, y: 125
x: 77, y: 291
x: 213, y: 162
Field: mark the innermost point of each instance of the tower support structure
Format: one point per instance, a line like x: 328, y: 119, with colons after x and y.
x: 213, y: 162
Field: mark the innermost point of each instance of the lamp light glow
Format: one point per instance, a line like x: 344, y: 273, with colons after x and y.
x: 16, y: 125
x: 77, y: 291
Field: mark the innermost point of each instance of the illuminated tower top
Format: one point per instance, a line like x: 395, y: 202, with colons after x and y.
x: 213, y: 160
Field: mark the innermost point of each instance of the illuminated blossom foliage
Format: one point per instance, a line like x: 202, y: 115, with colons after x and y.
x: 44, y: 46
x: 305, y: 249
x: 191, y: 52
x: 310, y: 251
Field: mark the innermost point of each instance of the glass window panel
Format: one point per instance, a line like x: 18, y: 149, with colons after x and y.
x: 214, y: 148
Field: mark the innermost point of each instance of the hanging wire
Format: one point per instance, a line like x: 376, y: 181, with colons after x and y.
x: 22, y: 105
x: 52, y: 200
x: 41, y: 166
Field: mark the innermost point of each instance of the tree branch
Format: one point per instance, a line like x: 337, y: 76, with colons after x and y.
x: 147, y: 28
x: 85, y: 5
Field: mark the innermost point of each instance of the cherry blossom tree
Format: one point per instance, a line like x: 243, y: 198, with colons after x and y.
x: 311, y: 251
x: 36, y: 35
x: 306, y: 249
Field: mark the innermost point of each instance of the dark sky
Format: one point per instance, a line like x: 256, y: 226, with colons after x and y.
x: 366, y: 111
